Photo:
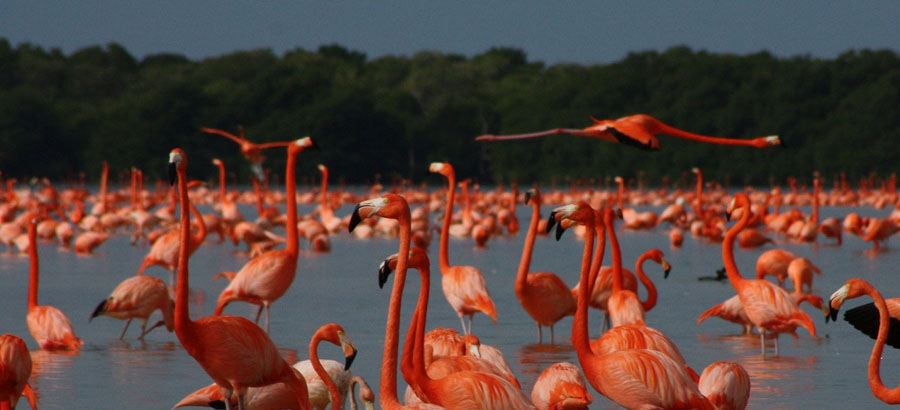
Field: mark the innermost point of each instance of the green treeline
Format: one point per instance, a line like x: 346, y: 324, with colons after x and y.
x: 61, y: 115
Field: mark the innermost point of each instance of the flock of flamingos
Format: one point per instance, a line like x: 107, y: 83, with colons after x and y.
x: 631, y: 364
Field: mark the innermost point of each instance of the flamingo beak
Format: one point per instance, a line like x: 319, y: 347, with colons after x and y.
x: 835, y: 302
x: 527, y: 197
x: 384, y: 271
x: 560, y: 229
x: 349, y: 350
x: 172, y: 173
x: 551, y: 221
x: 666, y: 268
x: 364, y: 210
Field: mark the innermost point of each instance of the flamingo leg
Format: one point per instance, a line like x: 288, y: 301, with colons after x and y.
x: 762, y: 341
x: 268, y: 309
x: 155, y: 325
x: 122, y: 335
x: 143, y: 329
x: 226, y: 395
x: 258, y: 314
x: 776, y: 344
x: 540, y: 334
x: 606, y: 322
x: 551, y: 334
x: 462, y: 322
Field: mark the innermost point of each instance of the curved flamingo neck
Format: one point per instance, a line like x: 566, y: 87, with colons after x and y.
x: 580, y: 338
x: 33, y: 273
x: 197, y: 239
x: 336, y: 399
x: 728, y: 243
x: 290, y: 182
x: 414, y: 346
x: 650, y: 302
x: 874, y: 370
x: 528, y: 247
x: 182, y: 315
x: 443, y: 257
x: 616, y: 252
x: 388, y: 379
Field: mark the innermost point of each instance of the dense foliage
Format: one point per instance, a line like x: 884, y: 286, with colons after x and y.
x: 63, y: 114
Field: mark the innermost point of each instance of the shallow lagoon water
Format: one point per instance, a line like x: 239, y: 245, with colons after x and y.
x: 341, y: 286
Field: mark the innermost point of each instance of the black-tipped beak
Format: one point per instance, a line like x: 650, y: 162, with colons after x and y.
x: 527, y: 197
x: 98, y: 310
x: 551, y: 221
x: 384, y: 271
x: 666, y: 269
x: 619, y: 213
x: 348, y: 360
x: 781, y: 142
x: 172, y: 173
x: 559, y: 231
x: 728, y: 216
x: 355, y: 219
x: 314, y: 146
x: 832, y: 313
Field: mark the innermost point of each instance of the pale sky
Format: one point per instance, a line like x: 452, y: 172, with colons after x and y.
x: 582, y: 32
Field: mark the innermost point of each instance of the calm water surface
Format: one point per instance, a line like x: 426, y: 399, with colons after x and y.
x: 341, y: 286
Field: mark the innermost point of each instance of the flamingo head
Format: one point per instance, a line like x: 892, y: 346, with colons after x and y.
x: 567, y: 215
x: 418, y: 259
x: 657, y: 256
x: 217, y: 162
x: 768, y: 141
x: 532, y: 193
x: 443, y: 168
x: 853, y: 288
x: 472, y: 345
x: 177, y: 161
x: 391, y: 206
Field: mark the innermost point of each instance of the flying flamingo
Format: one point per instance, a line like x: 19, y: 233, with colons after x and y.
x: 235, y: 352
x: 394, y: 207
x: 463, y: 286
x: 251, y: 151
x: 768, y: 306
x: 267, y: 277
x: 543, y: 295
x: 15, y: 369
x: 460, y: 390
x: 855, y: 288
x: 138, y: 297
x: 326, y: 380
x: 48, y: 325
x: 638, y: 130
x: 635, y: 378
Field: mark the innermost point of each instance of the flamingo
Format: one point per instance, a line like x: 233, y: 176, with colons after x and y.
x: 88, y: 241
x: 251, y: 151
x: 865, y: 319
x: 460, y: 390
x: 543, y: 295
x: 138, y: 297
x: 623, y: 305
x: 638, y: 130
x: 726, y: 385
x: 561, y: 386
x: 464, y: 286
x: 234, y: 351
x: 366, y: 395
x: 164, y: 251
x: 639, y: 336
x: 774, y: 262
x: 15, y: 369
x: 855, y: 288
x: 48, y: 325
x: 800, y: 271
x: 768, y: 306
x: 327, y: 381
x: 267, y: 277
x: 634, y: 378
x: 395, y: 207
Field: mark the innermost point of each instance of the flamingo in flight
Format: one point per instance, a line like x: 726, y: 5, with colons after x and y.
x: 251, y: 151
x: 234, y: 351
x: 638, y: 130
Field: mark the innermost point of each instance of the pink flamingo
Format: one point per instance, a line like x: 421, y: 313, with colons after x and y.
x: 15, y: 369
x: 48, y: 325
x: 267, y: 277
x: 138, y: 297
x: 235, y: 352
